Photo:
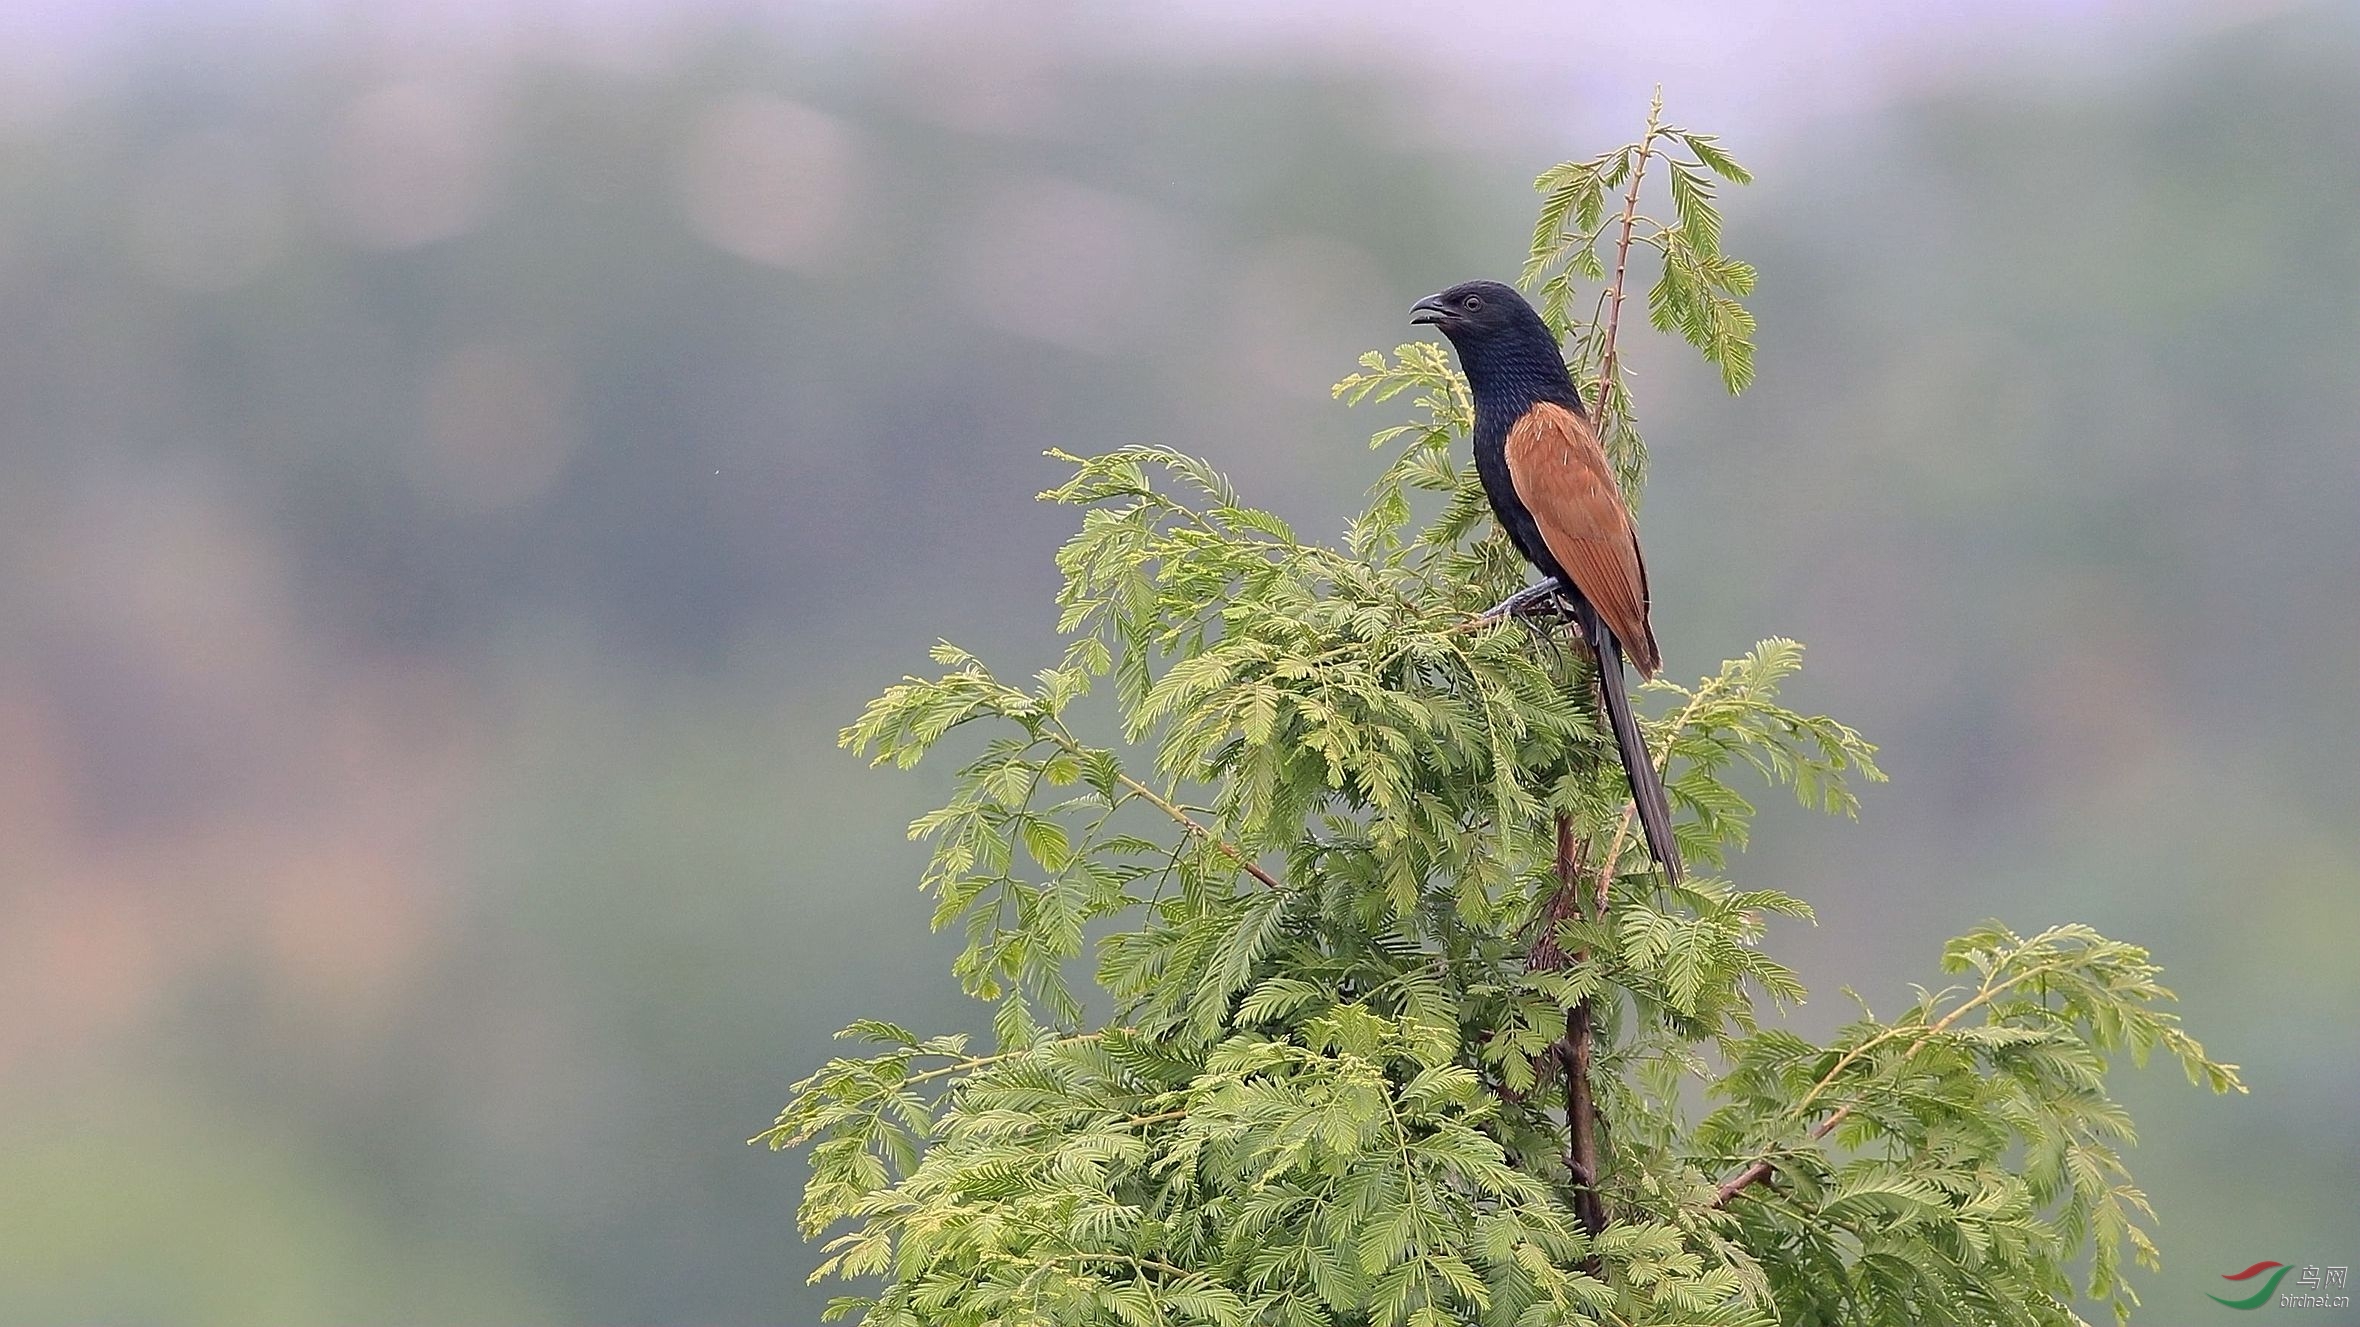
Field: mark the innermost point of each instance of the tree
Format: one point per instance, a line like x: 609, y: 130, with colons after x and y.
x: 1389, y: 1024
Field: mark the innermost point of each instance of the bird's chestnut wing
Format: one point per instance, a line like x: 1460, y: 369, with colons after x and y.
x: 1560, y: 473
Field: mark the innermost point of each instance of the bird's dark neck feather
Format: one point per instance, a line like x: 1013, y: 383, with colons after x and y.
x: 1510, y: 375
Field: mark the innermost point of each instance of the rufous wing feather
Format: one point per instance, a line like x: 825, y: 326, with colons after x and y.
x: 1560, y: 473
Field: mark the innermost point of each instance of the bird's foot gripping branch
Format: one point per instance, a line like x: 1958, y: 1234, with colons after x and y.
x: 1394, y: 1020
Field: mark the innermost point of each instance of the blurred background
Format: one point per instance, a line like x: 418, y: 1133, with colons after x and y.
x: 463, y: 462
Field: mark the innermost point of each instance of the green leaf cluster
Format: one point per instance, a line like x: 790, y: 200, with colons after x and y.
x: 1964, y: 1149
x: 1287, y: 879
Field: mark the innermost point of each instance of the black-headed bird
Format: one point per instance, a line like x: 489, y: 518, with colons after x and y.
x: 1555, y: 495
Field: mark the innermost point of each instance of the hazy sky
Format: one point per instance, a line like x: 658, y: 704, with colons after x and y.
x: 1745, y: 67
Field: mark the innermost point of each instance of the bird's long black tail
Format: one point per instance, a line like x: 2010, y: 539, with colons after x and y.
x: 1655, y: 808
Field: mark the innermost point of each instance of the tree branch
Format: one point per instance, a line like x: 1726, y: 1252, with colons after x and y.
x: 1761, y: 1168
x: 1581, y: 1108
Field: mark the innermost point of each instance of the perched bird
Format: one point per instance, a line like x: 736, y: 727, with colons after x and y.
x: 1555, y: 495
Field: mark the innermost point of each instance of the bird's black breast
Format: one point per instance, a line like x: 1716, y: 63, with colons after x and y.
x: 1493, y: 421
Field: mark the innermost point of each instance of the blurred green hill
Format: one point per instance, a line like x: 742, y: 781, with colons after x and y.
x: 451, y: 509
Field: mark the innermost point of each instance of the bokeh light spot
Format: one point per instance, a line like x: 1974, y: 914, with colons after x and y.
x: 497, y: 426
x: 770, y: 181
x: 411, y: 163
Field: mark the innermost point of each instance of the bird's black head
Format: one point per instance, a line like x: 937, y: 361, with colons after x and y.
x: 1502, y: 342
x: 1477, y: 310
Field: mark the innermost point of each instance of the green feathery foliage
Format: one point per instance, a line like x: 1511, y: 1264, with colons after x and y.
x: 1355, y: 874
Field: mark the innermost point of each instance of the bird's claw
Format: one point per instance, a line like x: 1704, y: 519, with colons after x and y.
x: 1525, y: 600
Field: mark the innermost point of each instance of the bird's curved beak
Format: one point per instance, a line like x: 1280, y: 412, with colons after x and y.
x: 1430, y: 310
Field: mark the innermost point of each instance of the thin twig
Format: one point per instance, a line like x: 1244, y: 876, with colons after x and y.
x: 1663, y: 766
x: 1762, y: 1166
x: 1195, y: 827
x: 1185, y: 820
x: 1622, y: 262
x: 1614, y: 847
x: 978, y: 1061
